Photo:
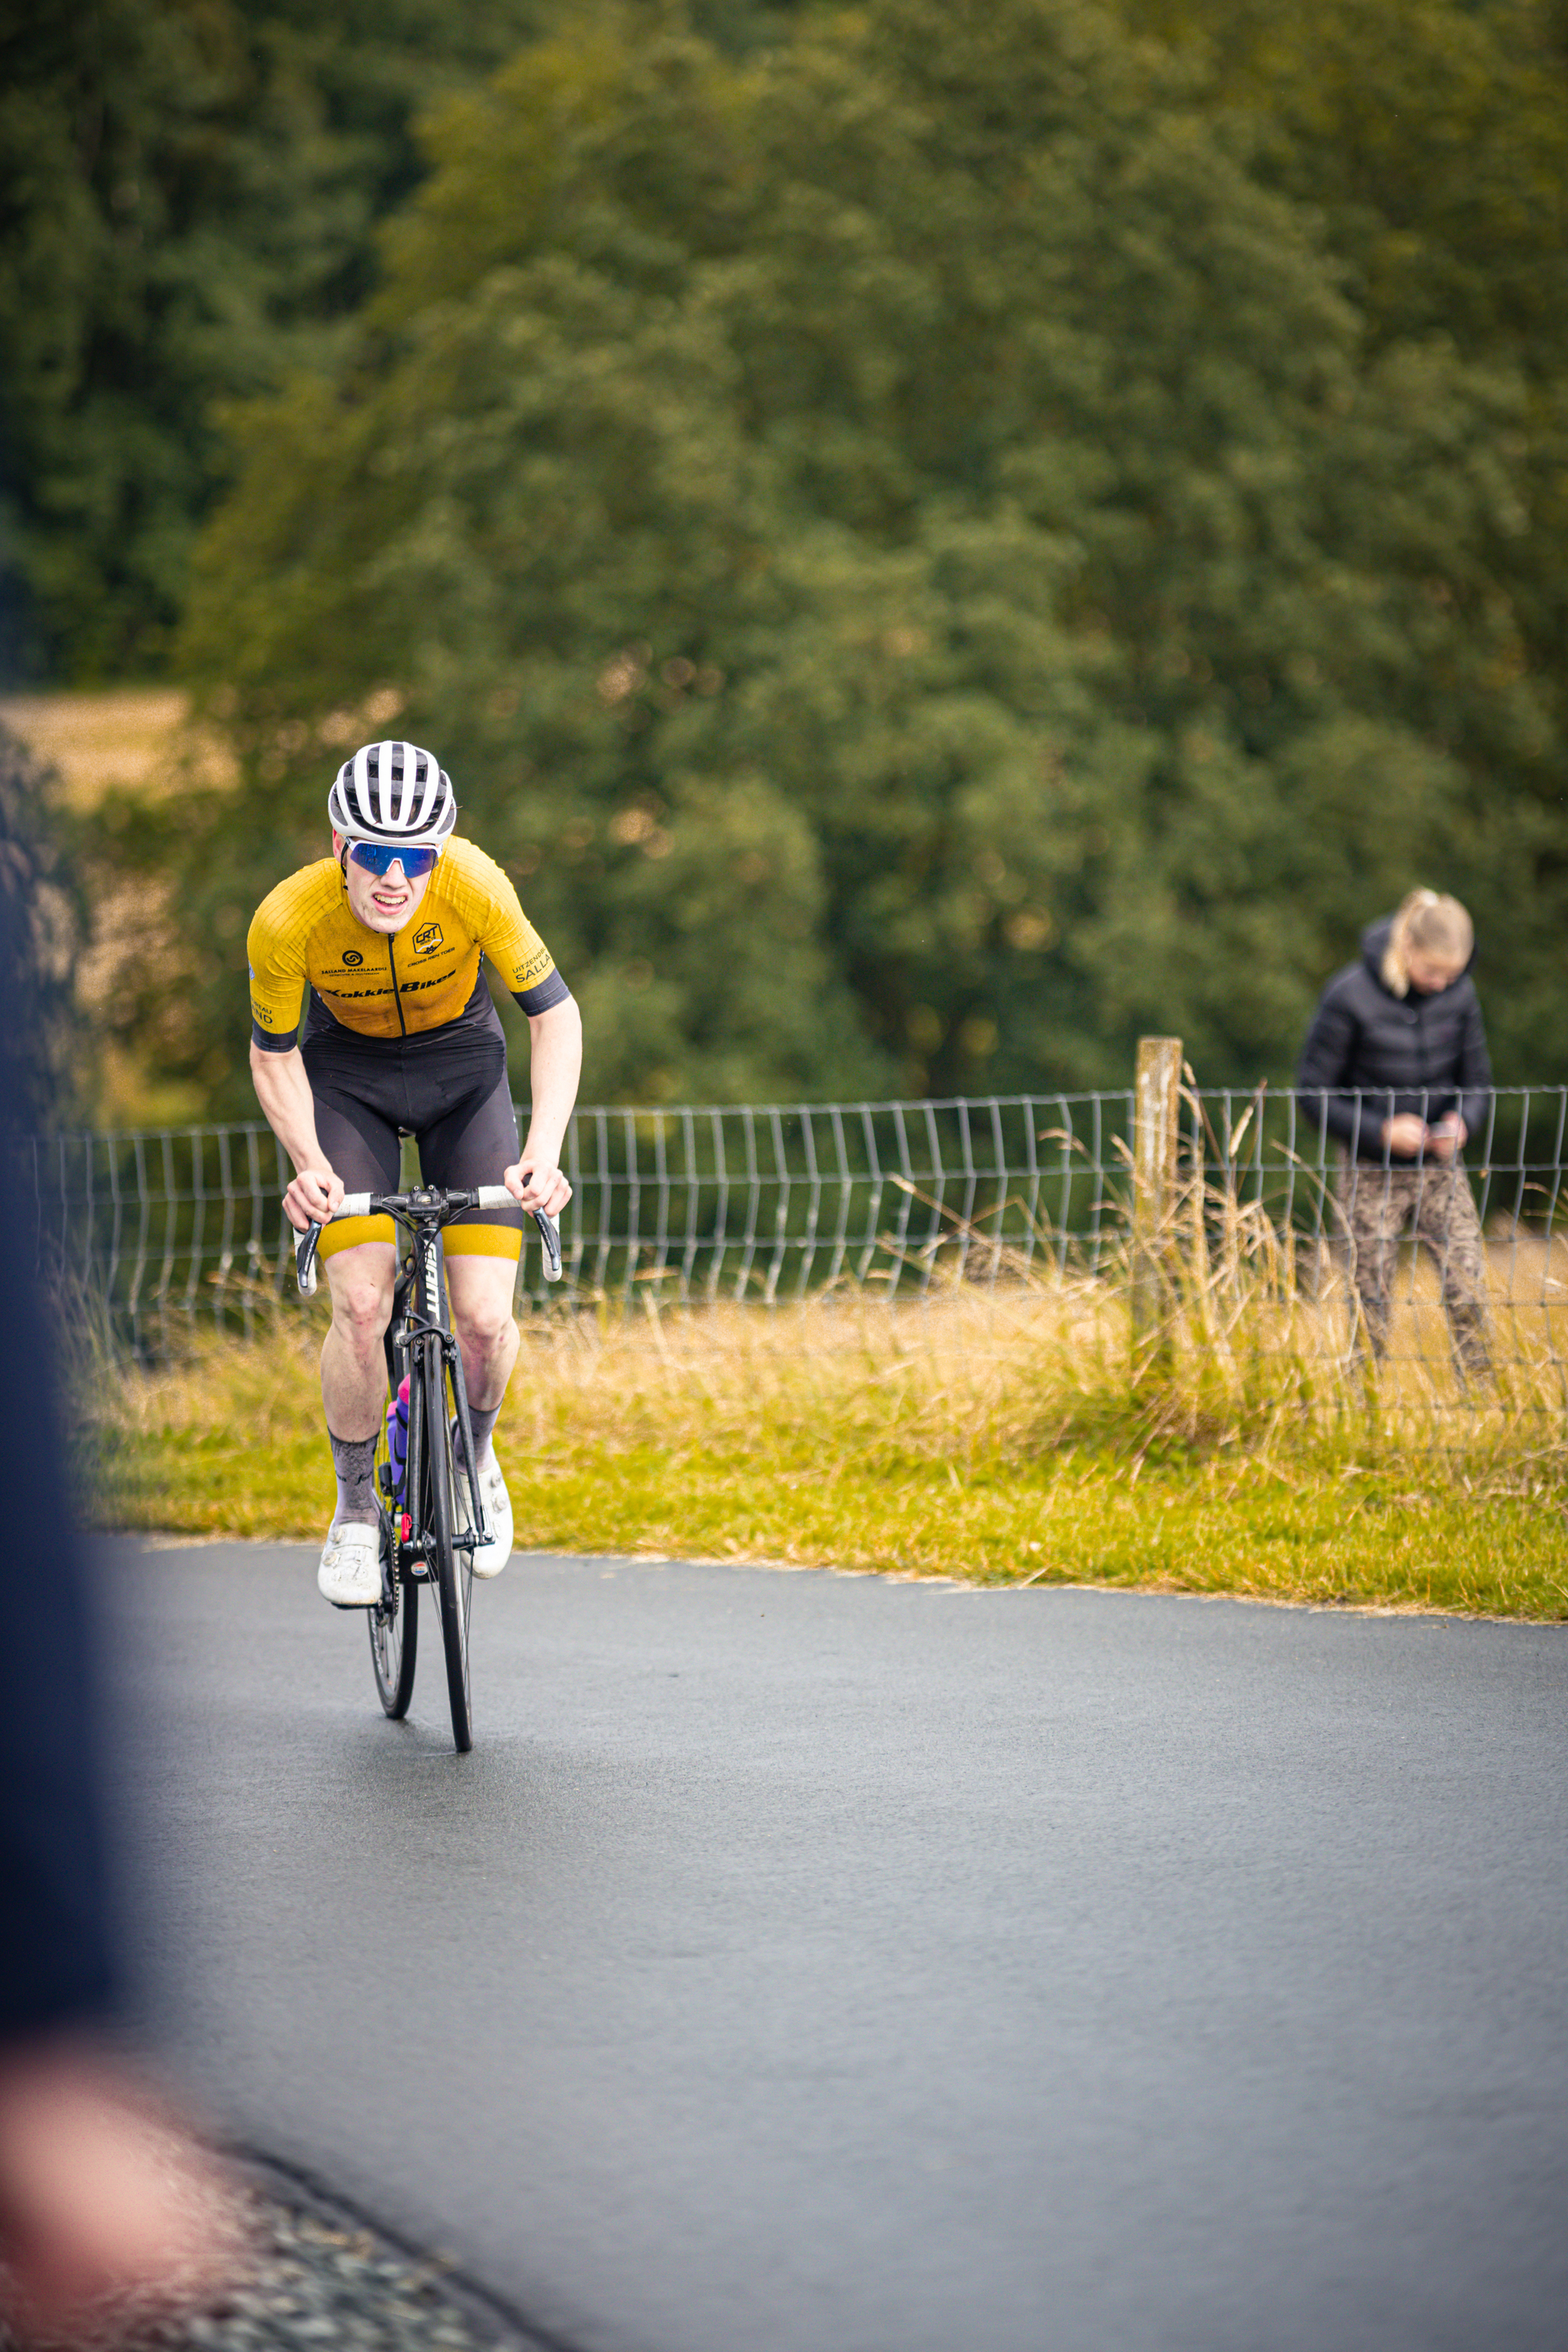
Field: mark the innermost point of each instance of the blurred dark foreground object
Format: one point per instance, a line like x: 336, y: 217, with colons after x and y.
x: 107, y: 2203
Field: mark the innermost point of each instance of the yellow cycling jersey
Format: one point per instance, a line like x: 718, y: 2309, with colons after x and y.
x: 398, y: 984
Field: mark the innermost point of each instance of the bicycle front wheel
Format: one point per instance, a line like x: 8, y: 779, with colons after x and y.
x: 452, y: 1573
x: 394, y: 1631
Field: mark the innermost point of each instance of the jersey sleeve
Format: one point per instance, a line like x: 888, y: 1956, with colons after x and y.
x: 512, y: 944
x: 277, y: 954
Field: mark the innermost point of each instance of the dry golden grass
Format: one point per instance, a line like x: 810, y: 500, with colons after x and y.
x: 135, y: 740
x: 136, y: 744
x: 997, y: 1435
x: 993, y: 1436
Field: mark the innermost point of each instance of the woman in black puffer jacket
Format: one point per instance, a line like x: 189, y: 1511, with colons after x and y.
x: 1395, y: 1069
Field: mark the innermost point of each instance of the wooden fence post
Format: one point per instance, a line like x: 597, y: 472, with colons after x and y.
x: 1156, y: 1132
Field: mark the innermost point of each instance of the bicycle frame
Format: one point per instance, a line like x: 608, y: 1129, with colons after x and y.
x: 419, y: 1330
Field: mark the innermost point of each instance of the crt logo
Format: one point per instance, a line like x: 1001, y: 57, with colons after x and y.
x: 427, y: 938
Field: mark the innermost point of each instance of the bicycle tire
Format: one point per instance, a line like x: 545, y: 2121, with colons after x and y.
x: 394, y: 1638
x: 451, y: 1577
x: 392, y: 1626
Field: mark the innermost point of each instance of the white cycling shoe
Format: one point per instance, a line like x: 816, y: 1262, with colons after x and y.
x: 489, y: 1559
x: 349, y: 1573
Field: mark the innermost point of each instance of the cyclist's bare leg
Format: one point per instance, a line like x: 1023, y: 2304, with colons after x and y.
x: 354, y: 1390
x: 353, y: 1368
x: 480, y: 1289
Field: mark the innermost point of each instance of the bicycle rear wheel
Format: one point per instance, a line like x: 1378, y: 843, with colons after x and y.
x: 393, y: 1632
x: 452, y: 1573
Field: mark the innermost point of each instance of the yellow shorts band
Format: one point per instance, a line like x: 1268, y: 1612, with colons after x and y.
x: 348, y: 1232
x: 483, y: 1241
x: 458, y: 1240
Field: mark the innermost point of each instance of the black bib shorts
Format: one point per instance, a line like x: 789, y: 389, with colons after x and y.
x: 449, y: 1088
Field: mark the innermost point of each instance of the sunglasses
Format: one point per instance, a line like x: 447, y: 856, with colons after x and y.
x: 381, y: 856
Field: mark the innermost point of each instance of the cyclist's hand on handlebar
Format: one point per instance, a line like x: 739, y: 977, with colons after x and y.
x: 536, y: 1187
x: 312, y: 1197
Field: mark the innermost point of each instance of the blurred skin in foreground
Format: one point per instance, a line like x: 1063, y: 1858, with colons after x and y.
x: 111, y: 2211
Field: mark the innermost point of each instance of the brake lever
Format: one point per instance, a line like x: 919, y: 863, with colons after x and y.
x: 305, y: 1260
x: 550, y: 1241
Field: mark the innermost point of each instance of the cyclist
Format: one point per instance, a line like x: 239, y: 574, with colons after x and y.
x: 401, y: 1037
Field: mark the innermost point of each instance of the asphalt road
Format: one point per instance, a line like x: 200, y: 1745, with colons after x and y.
x: 816, y: 1963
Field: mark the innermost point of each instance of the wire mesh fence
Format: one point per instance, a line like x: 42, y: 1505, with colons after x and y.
x: 1446, y: 1277
x: 1453, y: 1270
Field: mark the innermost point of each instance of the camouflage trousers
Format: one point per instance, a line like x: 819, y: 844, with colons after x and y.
x: 1378, y: 1205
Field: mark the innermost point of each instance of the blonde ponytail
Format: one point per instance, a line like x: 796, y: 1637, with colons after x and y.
x: 1432, y: 924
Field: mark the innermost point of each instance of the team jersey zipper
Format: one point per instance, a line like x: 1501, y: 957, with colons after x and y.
x: 392, y: 961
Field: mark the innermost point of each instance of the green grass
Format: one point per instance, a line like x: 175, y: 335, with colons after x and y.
x: 998, y: 1440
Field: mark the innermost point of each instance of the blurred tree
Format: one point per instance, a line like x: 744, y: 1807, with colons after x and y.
x: 188, y: 194
x: 910, y: 548
x: 1432, y: 133
x: 1431, y: 137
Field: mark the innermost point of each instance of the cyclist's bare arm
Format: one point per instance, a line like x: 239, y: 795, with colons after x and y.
x: 283, y: 1090
x: 555, y: 1041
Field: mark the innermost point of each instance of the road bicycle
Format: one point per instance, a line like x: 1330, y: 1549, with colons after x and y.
x: 429, y: 1525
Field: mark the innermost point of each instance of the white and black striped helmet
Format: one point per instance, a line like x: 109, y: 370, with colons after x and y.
x: 393, y: 792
